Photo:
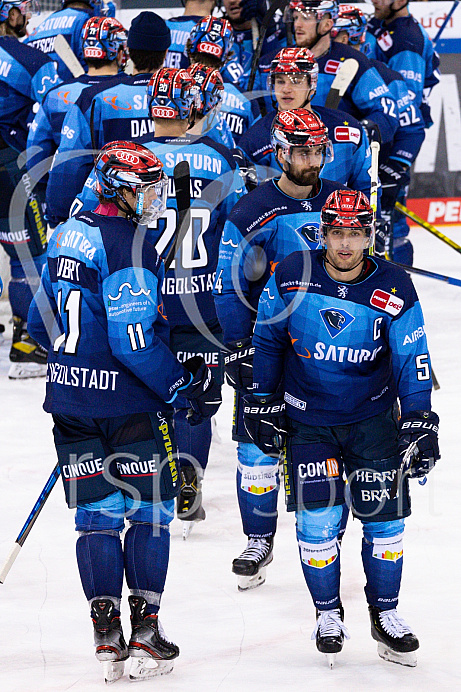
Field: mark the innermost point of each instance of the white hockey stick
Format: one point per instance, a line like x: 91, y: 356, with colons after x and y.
x: 68, y: 56
x: 344, y: 76
x: 374, y: 182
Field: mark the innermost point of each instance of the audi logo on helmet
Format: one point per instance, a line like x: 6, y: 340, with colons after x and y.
x: 93, y: 53
x: 286, y: 117
x: 162, y: 112
x: 209, y: 48
x: 126, y: 156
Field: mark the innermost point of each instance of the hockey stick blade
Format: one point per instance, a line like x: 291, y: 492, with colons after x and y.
x: 343, y: 79
x: 276, y: 5
x: 67, y: 55
x: 181, y: 176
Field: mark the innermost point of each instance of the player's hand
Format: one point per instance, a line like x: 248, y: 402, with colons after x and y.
x: 383, y: 237
x: 249, y: 9
x: 265, y: 422
x: 203, y: 392
x: 394, y: 176
x: 421, y: 427
x: 238, y: 364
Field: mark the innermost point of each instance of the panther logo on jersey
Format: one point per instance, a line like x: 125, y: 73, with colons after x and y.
x: 336, y: 320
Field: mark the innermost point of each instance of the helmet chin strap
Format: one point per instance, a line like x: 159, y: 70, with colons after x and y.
x: 338, y: 269
x: 393, y: 12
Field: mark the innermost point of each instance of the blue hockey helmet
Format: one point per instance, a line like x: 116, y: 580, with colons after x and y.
x: 104, y: 8
x: 352, y: 20
x: 102, y: 38
x: 212, y: 36
x: 26, y: 7
x: 211, y: 86
x: 174, y: 95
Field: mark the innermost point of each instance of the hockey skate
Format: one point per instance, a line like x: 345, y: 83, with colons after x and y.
x: 329, y: 633
x: 189, y: 504
x: 250, y: 566
x: 27, y: 357
x: 152, y: 653
x: 396, y: 641
x: 111, y: 648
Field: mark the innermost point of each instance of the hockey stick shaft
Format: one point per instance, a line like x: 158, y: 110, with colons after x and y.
x: 181, y: 176
x: 276, y: 5
x: 344, y: 76
x: 428, y: 226
x: 430, y: 275
x: 67, y: 55
x: 374, y: 146
x: 31, y: 519
x: 447, y: 19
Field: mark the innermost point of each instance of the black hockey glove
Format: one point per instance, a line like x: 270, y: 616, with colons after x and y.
x: 238, y: 364
x: 383, y: 238
x: 265, y: 422
x: 372, y: 129
x: 247, y: 169
x: 203, y: 392
x: 421, y: 428
x: 249, y: 9
x: 394, y: 176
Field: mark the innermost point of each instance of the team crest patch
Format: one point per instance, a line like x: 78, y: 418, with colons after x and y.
x: 385, y: 41
x: 336, y: 320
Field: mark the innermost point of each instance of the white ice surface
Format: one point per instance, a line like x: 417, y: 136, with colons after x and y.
x: 229, y: 640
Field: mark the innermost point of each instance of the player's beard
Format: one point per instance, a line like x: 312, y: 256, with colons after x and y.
x: 305, y: 178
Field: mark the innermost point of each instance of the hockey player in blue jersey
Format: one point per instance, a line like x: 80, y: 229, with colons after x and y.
x: 104, y: 52
x: 339, y: 336
x: 68, y: 22
x: 210, y: 43
x: 106, y: 112
x: 277, y: 218
x: 111, y: 384
x: 312, y: 22
x: 293, y: 82
x: 25, y: 77
x: 207, y: 115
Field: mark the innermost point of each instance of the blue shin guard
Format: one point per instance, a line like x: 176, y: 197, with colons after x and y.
x: 382, y: 556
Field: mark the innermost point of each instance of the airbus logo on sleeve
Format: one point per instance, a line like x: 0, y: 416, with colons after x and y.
x: 336, y: 320
x: 387, y: 302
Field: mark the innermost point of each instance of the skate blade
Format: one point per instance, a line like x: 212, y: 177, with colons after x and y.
x: 331, y: 659
x: 186, y: 529
x: 404, y: 658
x: 24, y: 371
x: 113, y: 671
x: 247, y: 583
x: 145, y: 667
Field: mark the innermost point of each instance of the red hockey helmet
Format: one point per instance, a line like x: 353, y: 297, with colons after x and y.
x: 300, y: 128
x: 126, y: 165
x: 102, y: 38
x: 346, y: 209
x: 352, y: 20
x: 211, y: 86
x: 295, y: 61
x: 174, y: 94
x: 212, y: 36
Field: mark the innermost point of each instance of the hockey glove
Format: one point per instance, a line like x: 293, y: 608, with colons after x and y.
x: 238, y: 364
x: 265, y: 422
x: 383, y: 238
x: 394, y: 176
x: 247, y: 169
x: 249, y: 9
x: 420, y: 427
x: 372, y: 130
x: 203, y: 392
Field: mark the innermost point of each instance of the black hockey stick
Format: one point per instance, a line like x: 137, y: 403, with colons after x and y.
x: 430, y: 275
x: 181, y: 176
x: 31, y: 519
x: 344, y: 76
x: 276, y: 5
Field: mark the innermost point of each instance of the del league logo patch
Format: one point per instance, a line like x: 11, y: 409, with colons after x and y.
x: 386, y: 301
x: 332, y: 66
x: 347, y: 134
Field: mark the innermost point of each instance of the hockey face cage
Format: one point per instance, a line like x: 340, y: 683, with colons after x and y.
x: 129, y: 166
x: 174, y: 95
x: 318, y: 8
x: 300, y: 128
x: 346, y: 209
x: 352, y: 20
x: 102, y: 38
x: 212, y: 36
x: 295, y: 61
x: 211, y: 86
x: 25, y: 7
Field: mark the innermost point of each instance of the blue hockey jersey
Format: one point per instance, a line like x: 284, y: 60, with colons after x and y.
x: 120, y: 112
x: 216, y: 186
x: 103, y: 323
x: 239, y: 111
x: 343, y: 351
x: 352, y: 155
x: 264, y: 227
x: 45, y: 130
x: 68, y: 23
x: 404, y: 46
x: 26, y: 75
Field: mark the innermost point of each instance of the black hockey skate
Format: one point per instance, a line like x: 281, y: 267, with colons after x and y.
x: 329, y: 633
x: 152, y: 653
x: 250, y: 566
x: 396, y: 641
x: 27, y: 357
x: 189, y: 503
x: 111, y: 648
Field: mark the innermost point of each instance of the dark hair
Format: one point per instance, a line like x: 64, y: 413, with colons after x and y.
x: 203, y: 58
x: 147, y: 60
x: 97, y: 63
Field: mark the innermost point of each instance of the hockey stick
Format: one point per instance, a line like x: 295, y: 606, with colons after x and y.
x: 442, y: 28
x: 31, y: 519
x: 254, y: 33
x: 428, y: 226
x: 276, y: 5
x: 344, y: 76
x: 430, y: 275
x: 181, y: 176
x: 374, y: 182
x: 67, y: 55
